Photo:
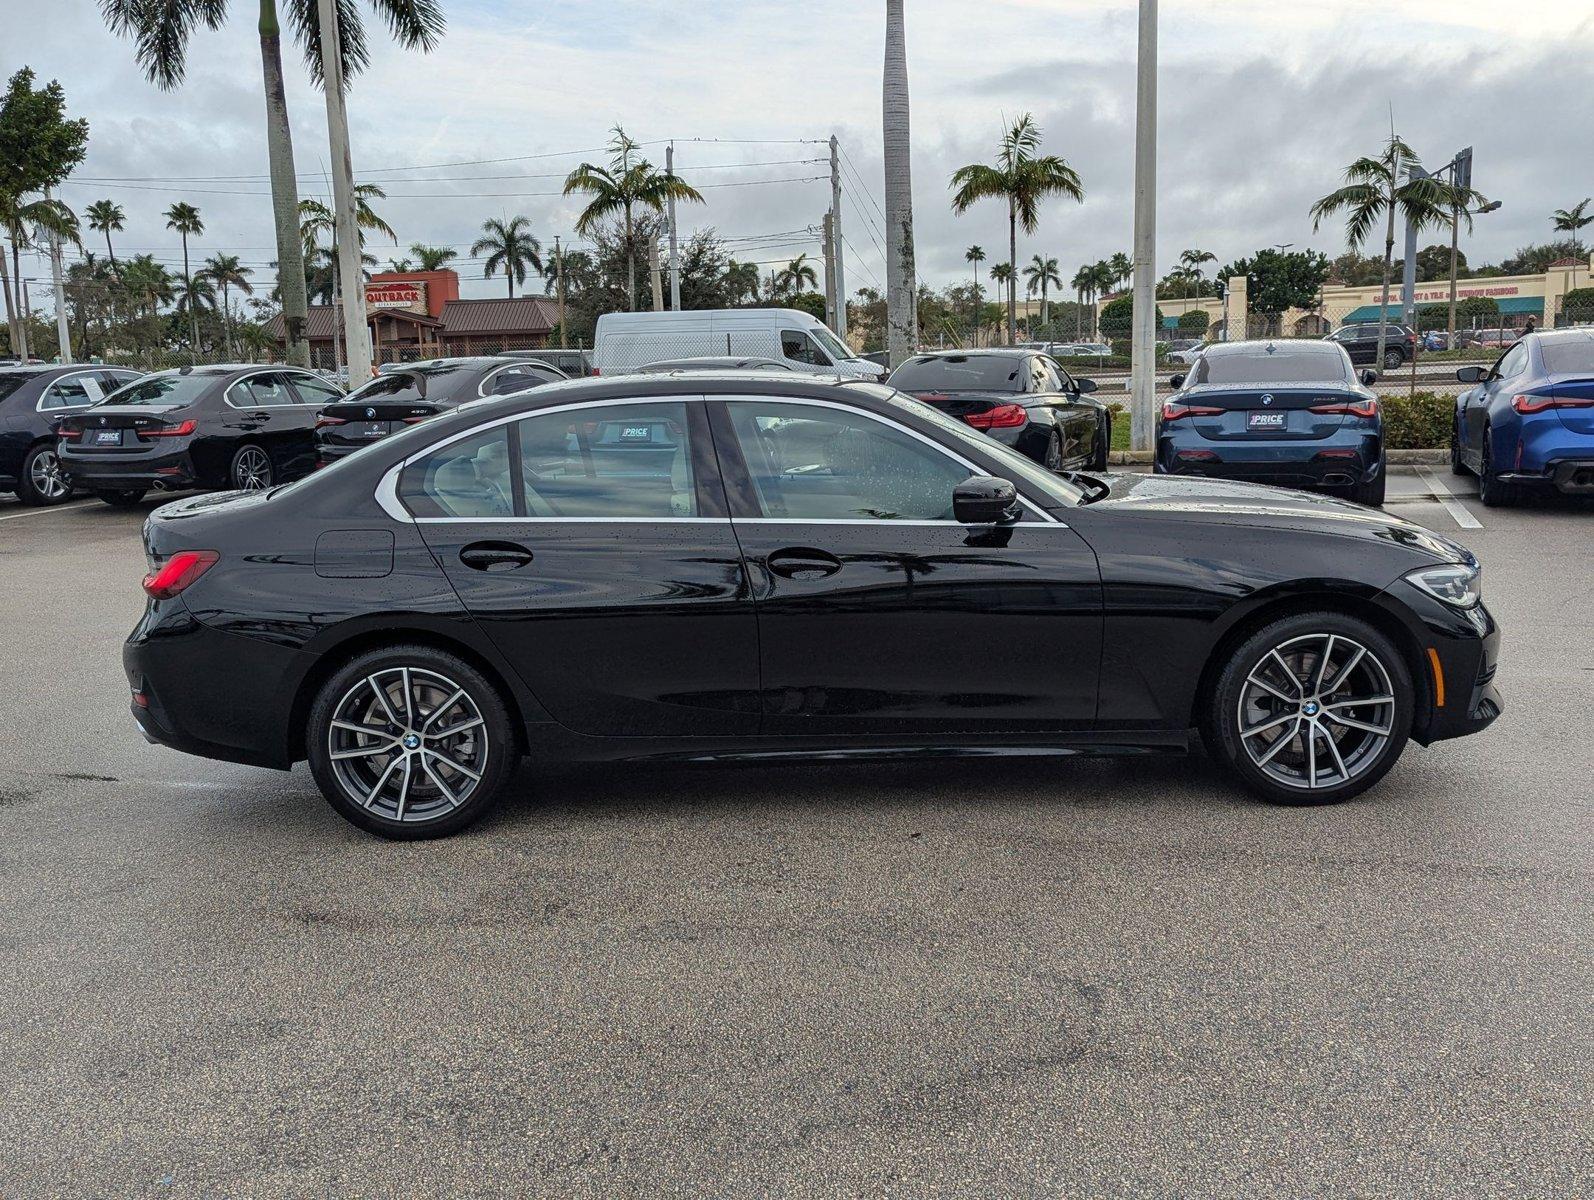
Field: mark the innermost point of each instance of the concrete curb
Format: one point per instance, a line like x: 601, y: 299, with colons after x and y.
x: 1395, y: 458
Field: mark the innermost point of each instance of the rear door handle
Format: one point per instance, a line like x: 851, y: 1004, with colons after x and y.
x: 802, y: 562
x: 495, y: 556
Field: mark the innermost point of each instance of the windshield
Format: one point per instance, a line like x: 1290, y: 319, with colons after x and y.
x: 834, y: 346
x: 403, y: 387
x: 1053, y: 487
x: 961, y: 373
x: 1298, y: 364
x: 162, y: 391
x: 1569, y: 356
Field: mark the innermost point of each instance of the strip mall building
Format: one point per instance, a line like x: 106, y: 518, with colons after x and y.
x: 419, y: 314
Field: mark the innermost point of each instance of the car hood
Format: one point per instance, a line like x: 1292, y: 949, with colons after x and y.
x: 1230, y: 502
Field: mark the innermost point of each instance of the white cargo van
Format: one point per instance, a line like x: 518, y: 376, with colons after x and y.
x: 628, y: 341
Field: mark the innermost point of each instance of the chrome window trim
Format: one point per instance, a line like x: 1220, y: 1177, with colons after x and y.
x: 226, y: 396
x: 38, y: 405
x: 386, y: 494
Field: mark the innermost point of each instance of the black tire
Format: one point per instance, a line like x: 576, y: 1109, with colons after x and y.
x: 1098, y: 460
x: 1372, y: 494
x: 42, y: 483
x: 1493, y: 491
x: 122, y: 497
x: 1394, y: 356
x: 250, y: 469
x: 423, y: 804
x: 1382, y: 661
x: 1457, y: 467
x: 1052, y: 455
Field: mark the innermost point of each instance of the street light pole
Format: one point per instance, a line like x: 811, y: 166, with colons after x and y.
x: 1143, y: 350
x: 351, y: 272
x: 675, y: 257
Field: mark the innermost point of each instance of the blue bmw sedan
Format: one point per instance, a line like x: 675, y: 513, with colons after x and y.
x: 1293, y: 413
x: 1527, y: 424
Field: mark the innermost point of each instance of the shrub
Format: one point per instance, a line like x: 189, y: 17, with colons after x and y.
x: 1194, y: 322
x: 1117, y: 316
x: 1417, y: 422
x: 1477, y: 311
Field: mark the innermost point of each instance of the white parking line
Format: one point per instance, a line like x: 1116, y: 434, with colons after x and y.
x: 34, y: 512
x: 1442, y: 493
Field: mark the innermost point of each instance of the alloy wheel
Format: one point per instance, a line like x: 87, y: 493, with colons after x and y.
x: 407, y: 744
x: 1316, y: 711
x: 47, y: 478
x: 251, y: 470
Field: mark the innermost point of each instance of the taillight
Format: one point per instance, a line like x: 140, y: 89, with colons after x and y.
x: 418, y: 420
x: 1177, y: 412
x: 178, y: 572
x: 323, y: 422
x: 1003, y: 416
x: 68, y: 433
x: 182, y: 429
x: 1362, y: 408
x: 1534, y: 404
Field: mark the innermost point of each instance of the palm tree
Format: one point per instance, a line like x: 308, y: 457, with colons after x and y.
x: 1572, y: 220
x: 432, y: 258
x: 619, y: 189
x: 573, y: 265
x: 1373, y: 190
x: 1002, y: 276
x: 161, y: 33
x: 1039, y: 275
x: 508, y: 245
x: 1081, y: 283
x: 184, y: 218
x: 1103, y: 279
x: 400, y: 264
x: 17, y: 217
x: 226, y: 272
x: 1023, y: 180
x: 195, y: 295
x: 107, y: 217
x: 315, y: 218
x: 796, y: 275
x: 1193, y: 261
x: 974, y: 256
x: 322, y: 283
x: 1121, y: 266
x: 149, y: 285
x: 902, y: 308
x: 741, y: 281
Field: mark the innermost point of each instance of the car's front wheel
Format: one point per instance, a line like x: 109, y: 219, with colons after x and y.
x: 410, y: 742
x: 43, y: 481
x: 1311, y: 709
x: 1098, y: 460
x: 1393, y: 357
x: 251, y: 469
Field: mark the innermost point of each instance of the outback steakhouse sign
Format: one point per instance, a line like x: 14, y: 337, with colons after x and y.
x: 405, y: 293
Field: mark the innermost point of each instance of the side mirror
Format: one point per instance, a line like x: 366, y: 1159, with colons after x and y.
x: 984, y: 500
x: 1472, y: 374
x: 1084, y: 385
x: 1176, y: 382
x: 1369, y: 378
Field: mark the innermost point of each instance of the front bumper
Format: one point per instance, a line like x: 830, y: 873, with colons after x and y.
x: 1458, y: 656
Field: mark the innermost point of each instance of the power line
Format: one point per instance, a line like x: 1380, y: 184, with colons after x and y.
x: 132, y: 180
x: 445, y: 195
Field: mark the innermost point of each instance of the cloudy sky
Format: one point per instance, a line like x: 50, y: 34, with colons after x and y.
x: 1263, y: 102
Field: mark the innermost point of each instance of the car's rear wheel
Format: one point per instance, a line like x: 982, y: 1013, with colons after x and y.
x: 251, y: 469
x: 1393, y: 357
x: 1457, y: 467
x: 1492, y: 490
x: 121, y: 497
x: 1052, y: 459
x: 1312, y: 709
x: 1372, y: 494
x: 410, y: 742
x: 1098, y: 460
x: 43, y: 481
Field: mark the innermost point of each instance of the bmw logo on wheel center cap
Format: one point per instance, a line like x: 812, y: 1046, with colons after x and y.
x: 1311, y: 708
x: 411, y: 742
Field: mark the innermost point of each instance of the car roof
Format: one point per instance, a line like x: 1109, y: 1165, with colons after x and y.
x: 1552, y: 336
x: 988, y: 352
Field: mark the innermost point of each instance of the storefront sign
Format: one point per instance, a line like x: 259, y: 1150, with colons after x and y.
x: 406, y: 293
x: 1464, y: 290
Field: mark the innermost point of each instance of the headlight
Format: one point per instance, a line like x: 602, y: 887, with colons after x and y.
x: 1460, y: 586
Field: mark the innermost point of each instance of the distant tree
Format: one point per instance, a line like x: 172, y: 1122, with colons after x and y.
x: 1535, y: 260
x: 1433, y: 263
x: 974, y: 256
x: 433, y: 258
x: 1117, y: 316
x: 400, y: 265
x: 1573, y: 220
x: 227, y: 272
x: 509, y: 247
x: 1039, y: 276
x: 184, y: 219
x: 316, y: 219
x: 106, y: 216
x: 796, y: 275
x: 1279, y: 280
x: 1122, y: 267
x: 1194, y: 322
x: 1477, y: 312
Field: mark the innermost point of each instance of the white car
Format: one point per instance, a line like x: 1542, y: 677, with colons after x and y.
x: 626, y: 341
x: 1189, y: 355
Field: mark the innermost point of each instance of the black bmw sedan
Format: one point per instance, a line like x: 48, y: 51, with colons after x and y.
x: 32, y: 400
x: 239, y: 427
x: 411, y: 394
x: 751, y: 565
x: 1021, y: 398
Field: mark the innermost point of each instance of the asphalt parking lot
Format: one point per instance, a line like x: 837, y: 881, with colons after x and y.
x: 992, y: 978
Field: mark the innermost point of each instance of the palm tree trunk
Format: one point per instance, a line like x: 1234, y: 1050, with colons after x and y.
x: 1045, y: 311
x: 226, y: 320
x: 21, y: 344
x: 110, y: 251
x: 630, y: 263
x: 11, y: 305
x: 902, y: 322
x: 1389, y: 258
x: 193, y: 309
x: 974, y: 322
x: 284, y: 192
x: 1012, y: 282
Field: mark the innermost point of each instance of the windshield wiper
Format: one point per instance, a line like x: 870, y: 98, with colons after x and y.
x: 1093, y: 488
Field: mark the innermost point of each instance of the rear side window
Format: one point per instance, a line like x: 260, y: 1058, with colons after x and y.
x: 268, y: 390
x: 466, y: 478
x: 608, y: 461
x: 72, y: 391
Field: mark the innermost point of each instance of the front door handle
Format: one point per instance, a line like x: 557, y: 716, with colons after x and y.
x: 802, y: 562
x: 495, y: 556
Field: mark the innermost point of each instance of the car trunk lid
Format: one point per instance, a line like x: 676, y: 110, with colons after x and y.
x: 1228, y: 414
x: 355, y: 423
x: 964, y: 405
x: 108, y: 428
x: 1574, y: 396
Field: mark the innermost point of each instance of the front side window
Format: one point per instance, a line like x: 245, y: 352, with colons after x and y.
x: 799, y: 347
x: 1512, y: 362
x: 72, y: 391
x: 814, y: 463
x: 464, y: 479
x: 607, y: 461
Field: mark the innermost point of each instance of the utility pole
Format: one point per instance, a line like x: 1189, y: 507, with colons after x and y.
x: 1460, y: 177
x: 1408, y: 274
x: 654, y: 276
x: 840, y: 289
x: 559, y: 265
x: 63, y: 335
x: 675, y: 257
x: 1143, y: 349
x: 356, y: 334
x: 830, y: 273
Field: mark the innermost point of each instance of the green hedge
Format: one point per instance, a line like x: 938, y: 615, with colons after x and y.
x: 1417, y: 422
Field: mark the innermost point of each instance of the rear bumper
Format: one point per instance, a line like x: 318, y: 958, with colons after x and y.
x: 171, y: 469
x: 1570, y: 477
x: 1341, y: 461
